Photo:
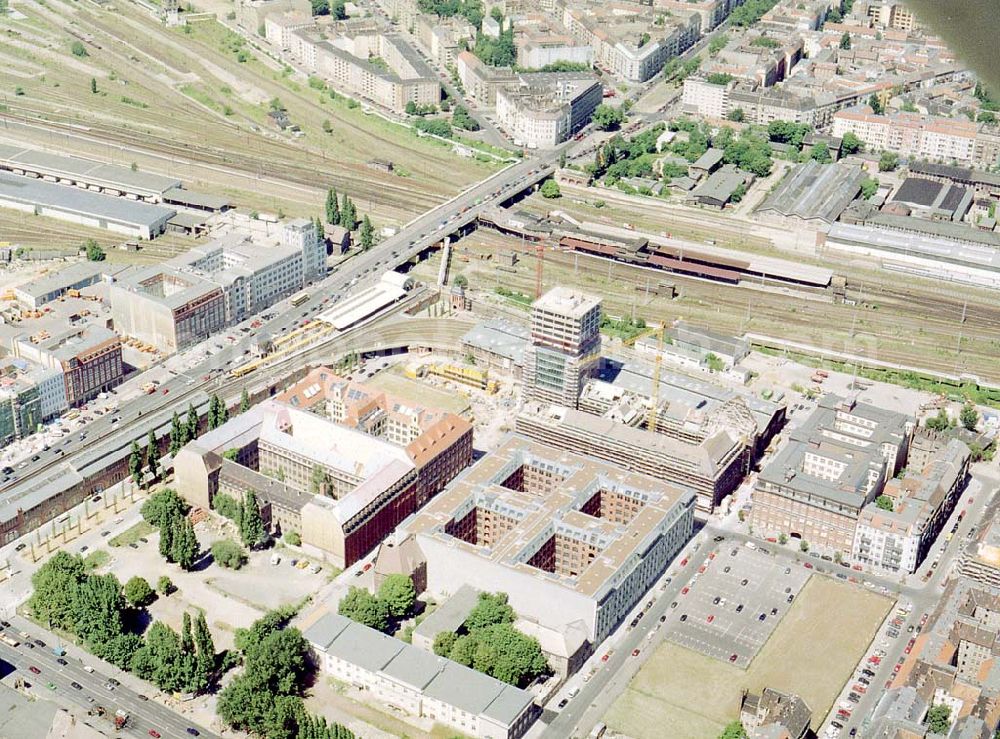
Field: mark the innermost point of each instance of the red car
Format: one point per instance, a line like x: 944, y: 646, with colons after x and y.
x: 895, y: 669
x: 35, y: 670
x: 154, y: 733
x: 732, y: 657
x: 859, y: 568
x: 635, y: 652
x: 701, y: 569
x: 711, y: 555
x: 684, y: 561
x: 606, y: 657
x: 684, y: 591
x: 710, y: 618
x: 808, y: 565
x: 366, y: 567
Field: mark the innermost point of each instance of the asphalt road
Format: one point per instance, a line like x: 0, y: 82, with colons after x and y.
x: 144, y: 715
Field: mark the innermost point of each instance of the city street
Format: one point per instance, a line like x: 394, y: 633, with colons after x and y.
x: 144, y: 713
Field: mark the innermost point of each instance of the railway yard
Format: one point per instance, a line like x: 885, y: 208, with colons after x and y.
x: 197, y: 102
x: 906, y: 321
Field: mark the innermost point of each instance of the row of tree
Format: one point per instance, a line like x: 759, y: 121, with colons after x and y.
x: 102, y: 614
x: 266, y: 697
x: 343, y: 213
x: 489, y: 643
x: 394, y: 601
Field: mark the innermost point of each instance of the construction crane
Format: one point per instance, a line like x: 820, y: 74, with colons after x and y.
x: 539, y: 266
x: 654, y: 408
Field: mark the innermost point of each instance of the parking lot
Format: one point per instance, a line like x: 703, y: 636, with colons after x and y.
x: 735, y: 598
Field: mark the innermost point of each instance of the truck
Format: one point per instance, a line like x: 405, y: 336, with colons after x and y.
x: 120, y: 719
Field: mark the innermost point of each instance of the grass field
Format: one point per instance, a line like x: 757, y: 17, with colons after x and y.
x: 682, y: 694
x: 419, y: 393
x: 132, y: 535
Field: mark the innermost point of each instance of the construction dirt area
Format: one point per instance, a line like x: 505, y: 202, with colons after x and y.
x: 117, y: 85
x: 908, y: 321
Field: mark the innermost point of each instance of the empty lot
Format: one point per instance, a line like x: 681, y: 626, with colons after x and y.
x: 681, y: 693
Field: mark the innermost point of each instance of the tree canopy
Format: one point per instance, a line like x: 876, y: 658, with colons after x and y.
x: 227, y: 553
x: 361, y: 606
x: 607, y: 118
x: 398, y: 594
x: 138, y: 592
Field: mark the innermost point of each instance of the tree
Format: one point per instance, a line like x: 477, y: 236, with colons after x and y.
x: 845, y: 40
x: 138, y: 593
x: 461, y: 281
x: 228, y: 554
x: 460, y: 118
x: 492, y: 609
x: 820, y: 152
x: 166, y: 547
x: 97, y: 611
x: 244, y: 401
x: 348, y: 214
x: 969, y: 416
x: 178, y: 434
x: 940, y: 422
x: 192, y: 423
x: 164, y: 585
x: 55, y: 584
x: 320, y: 7
x: 607, y: 118
x: 787, y: 132
x: 733, y: 730
x: 319, y: 480
x: 875, y: 104
x: 152, y: 455
x: 94, y: 251
x: 332, y: 207
x: 851, y: 144
x: 93, y: 85
x: 444, y: 642
x: 713, y: 362
x: 251, y: 527
x: 361, y: 606
x: 938, y: 719
x: 804, y: 546
x: 550, y: 189
x: 184, y: 546
x: 887, y: 162
x: 782, y: 538
x: 869, y: 186
x: 78, y: 49
x: 367, y: 234
x: 500, y: 651
x: 736, y: 115
x: 398, y: 594
x: 293, y: 538
x: 135, y: 463
x: 187, y: 640
x: 884, y: 502
x: 162, y: 507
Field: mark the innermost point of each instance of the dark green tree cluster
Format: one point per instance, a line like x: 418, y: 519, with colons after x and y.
x: 471, y: 10
x: 460, y: 118
x: 434, y: 127
x: 884, y: 502
x: 166, y: 511
x: 245, y: 400
x: 719, y: 78
x: 938, y: 719
x: 229, y: 554
x: 887, y: 162
x: 748, y: 151
x: 341, y: 213
x: 869, y: 186
x: 875, y: 103
x: 419, y: 110
x: 266, y: 698
x: 394, y: 601
x: 218, y: 412
x: 489, y: 643
x: 621, y: 157
x: 180, y: 433
x: 366, y: 234
x: 851, y: 144
x: 226, y: 505
x: 332, y: 8
x: 733, y: 730
x: 138, y: 593
x: 496, y: 51
x: 608, y: 118
x: 787, y: 132
x: 750, y: 12
x: 969, y: 417
x: 676, y: 70
x: 184, y: 662
x: 820, y: 152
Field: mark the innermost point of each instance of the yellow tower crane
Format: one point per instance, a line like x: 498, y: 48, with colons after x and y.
x: 654, y: 407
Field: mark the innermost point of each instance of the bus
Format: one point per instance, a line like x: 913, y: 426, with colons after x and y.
x: 300, y: 298
x: 9, y: 640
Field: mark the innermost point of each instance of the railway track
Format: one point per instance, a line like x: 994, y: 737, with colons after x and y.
x: 906, y: 326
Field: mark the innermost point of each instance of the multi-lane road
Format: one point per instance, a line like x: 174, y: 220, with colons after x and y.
x: 145, y: 714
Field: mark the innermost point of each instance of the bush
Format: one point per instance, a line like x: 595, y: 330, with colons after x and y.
x: 138, y: 593
x: 293, y: 538
x: 165, y: 585
x: 78, y: 49
x: 550, y: 189
x: 228, y: 554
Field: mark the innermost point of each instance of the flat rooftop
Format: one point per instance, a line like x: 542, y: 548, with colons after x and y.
x: 567, y: 301
x: 29, y: 191
x: 87, y: 170
x: 577, y: 483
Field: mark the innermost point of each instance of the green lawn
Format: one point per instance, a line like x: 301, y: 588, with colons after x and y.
x: 132, y: 535
x: 686, y: 695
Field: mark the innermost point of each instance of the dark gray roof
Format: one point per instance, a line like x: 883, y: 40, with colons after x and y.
x: 195, y: 199
x: 919, y: 191
x: 451, y: 614
x: 958, y: 174
x: 720, y: 185
x: 81, y: 202
x: 500, y: 336
x: 709, y: 159
x: 814, y: 190
x: 477, y: 693
x: 367, y: 648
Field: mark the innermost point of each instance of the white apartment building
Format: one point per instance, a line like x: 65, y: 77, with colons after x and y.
x: 910, y: 134
x: 418, y: 683
x: 541, y: 114
x: 705, y: 99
